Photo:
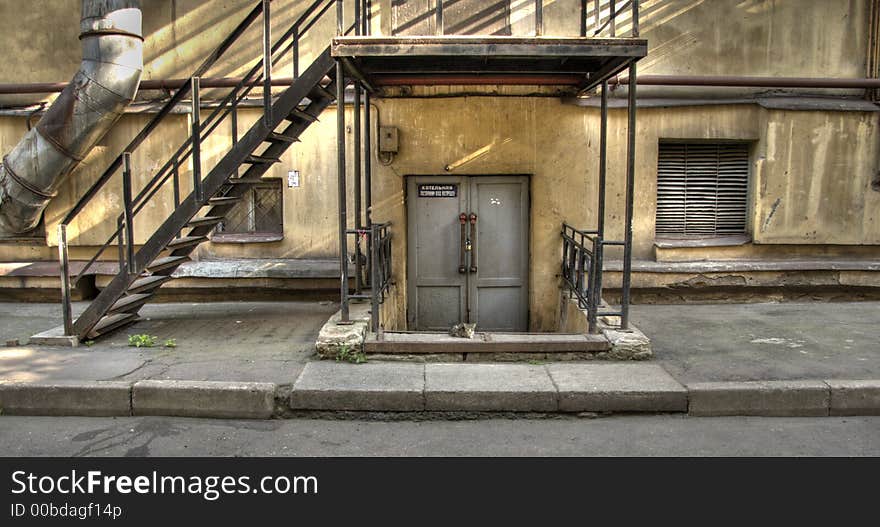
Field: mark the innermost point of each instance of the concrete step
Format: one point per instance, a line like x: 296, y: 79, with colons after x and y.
x: 485, y: 342
x: 463, y: 387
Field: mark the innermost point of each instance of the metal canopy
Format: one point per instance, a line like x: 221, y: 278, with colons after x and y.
x: 456, y: 60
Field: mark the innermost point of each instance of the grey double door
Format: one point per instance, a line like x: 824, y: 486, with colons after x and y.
x: 468, y: 252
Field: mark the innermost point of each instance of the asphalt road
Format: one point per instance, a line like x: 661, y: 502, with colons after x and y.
x: 648, y: 435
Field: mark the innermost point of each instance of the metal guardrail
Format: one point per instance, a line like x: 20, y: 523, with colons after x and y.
x: 582, y: 259
x: 377, y: 238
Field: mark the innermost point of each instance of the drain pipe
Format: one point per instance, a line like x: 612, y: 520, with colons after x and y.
x: 107, y: 81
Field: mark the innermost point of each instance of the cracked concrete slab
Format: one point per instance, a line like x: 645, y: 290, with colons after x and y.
x: 225, y: 341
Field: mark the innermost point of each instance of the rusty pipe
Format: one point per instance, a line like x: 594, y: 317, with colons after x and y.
x: 749, y: 82
x: 106, y: 82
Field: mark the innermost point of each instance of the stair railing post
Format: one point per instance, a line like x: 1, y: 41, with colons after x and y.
x: 368, y: 180
x: 375, y: 281
x: 340, y: 17
x: 438, y: 15
x: 175, y: 175
x: 63, y: 258
x: 196, y: 137
x: 630, y: 183
x: 128, y: 213
x: 539, y: 18
x: 612, y: 24
x: 341, y: 198
x: 366, y: 20
x: 295, y: 51
x: 635, y: 18
x: 356, y: 159
x: 120, y: 243
x: 583, y: 18
x: 267, y: 65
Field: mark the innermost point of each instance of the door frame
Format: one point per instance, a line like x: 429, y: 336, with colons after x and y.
x: 465, y: 181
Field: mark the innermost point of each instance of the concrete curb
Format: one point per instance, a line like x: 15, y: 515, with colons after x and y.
x: 79, y: 398
x: 759, y: 398
x: 441, y: 388
x: 230, y: 400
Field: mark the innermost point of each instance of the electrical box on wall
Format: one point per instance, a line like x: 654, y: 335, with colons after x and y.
x: 388, y: 142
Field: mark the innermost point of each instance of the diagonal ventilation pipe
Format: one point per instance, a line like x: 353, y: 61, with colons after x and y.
x: 107, y: 81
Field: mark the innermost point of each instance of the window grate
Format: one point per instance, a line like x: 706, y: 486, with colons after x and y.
x: 702, y: 189
x: 259, y: 212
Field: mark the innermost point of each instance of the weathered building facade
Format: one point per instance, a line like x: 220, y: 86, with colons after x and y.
x: 743, y: 188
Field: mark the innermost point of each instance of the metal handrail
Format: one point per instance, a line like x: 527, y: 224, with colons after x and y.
x: 613, y: 13
x: 238, y: 94
x: 582, y: 269
x: 191, y: 146
x: 380, y: 268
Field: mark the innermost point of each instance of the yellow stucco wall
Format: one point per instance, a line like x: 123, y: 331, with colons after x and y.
x: 811, y: 170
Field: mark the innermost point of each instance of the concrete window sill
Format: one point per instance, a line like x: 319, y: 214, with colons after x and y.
x: 713, y: 241
x: 247, y: 238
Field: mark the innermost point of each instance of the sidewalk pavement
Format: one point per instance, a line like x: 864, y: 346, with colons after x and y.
x: 254, y: 360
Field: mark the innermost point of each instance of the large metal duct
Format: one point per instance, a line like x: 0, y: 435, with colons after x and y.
x: 107, y: 81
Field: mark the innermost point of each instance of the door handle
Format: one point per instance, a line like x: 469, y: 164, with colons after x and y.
x: 473, y: 219
x: 462, y: 219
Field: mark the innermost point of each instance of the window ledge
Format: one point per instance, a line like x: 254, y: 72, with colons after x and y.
x: 712, y: 241
x: 256, y: 237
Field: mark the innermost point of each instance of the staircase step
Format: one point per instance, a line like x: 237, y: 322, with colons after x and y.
x: 205, y: 221
x: 111, y: 322
x: 164, y: 263
x: 220, y: 201
x: 253, y: 159
x: 147, y: 283
x: 322, y: 92
x: 281, y: 138
x: 130, y: 303
x: 245, y: 181
x: 299, y: 114
x: 186, y: 241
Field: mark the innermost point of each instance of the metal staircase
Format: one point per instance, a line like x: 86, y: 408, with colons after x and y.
x: 581, y: 63
x: 285, y: 117
x: 159, y: 257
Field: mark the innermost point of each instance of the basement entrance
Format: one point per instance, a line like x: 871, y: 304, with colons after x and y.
x: 468, y: 252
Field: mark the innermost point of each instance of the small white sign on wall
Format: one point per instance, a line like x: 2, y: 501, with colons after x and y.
x: 293, y: 178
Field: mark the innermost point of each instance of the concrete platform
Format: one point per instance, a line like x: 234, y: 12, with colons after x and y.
x: 464, y: 387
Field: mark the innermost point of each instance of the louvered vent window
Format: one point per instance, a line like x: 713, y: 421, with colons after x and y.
x: 702, y: 189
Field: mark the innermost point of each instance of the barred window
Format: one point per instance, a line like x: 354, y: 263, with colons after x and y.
x: 702, y: 189
x: 259, y: 212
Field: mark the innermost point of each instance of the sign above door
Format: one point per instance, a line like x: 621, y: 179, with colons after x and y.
x: 438, y: 191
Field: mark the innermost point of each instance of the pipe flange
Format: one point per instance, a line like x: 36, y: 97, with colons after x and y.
x: 109, y: 31
x: 24, y: 184
x: 57, y: 144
